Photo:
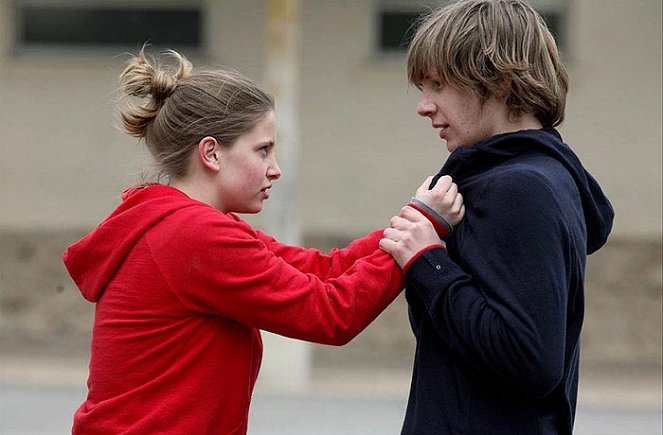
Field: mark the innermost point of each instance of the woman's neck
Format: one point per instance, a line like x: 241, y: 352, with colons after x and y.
x: 195, y: 189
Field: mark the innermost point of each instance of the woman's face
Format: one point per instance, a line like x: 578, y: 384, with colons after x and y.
x: 248, y: 169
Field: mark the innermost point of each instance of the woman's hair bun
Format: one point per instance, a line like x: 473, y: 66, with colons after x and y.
x: 143, y: 78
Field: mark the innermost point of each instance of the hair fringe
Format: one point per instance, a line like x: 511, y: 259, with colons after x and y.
x: 481, y: 45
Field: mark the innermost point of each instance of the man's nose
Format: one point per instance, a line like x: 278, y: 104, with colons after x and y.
x: 425, y: 108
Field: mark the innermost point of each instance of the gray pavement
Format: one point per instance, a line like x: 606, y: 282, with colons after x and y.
x: 31, y: 410
x: 39, y: 397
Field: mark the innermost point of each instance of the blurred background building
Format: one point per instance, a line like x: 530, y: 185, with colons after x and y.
x: 350, y: 138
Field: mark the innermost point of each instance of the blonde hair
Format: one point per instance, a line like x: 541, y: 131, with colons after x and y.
x: 179, y: 106
x: 482, y: 46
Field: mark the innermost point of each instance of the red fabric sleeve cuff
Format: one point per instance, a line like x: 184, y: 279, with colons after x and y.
x: 419, y: 253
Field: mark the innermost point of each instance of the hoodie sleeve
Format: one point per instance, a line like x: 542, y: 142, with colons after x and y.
x: 504, y: 311
x: 221, y: 267
x: 315, y: 262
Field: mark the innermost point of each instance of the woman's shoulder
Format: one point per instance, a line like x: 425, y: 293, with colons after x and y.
x: 200, y: 219
x: 180, y: 218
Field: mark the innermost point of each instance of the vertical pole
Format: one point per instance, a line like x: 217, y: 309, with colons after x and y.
x: 7, y: 28
x: 282, y: 78
x: 287, y: 363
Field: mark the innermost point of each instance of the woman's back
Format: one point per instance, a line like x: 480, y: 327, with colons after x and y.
x: 155, y: 361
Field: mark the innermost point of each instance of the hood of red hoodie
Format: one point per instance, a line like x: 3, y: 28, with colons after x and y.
x: 93, y: 260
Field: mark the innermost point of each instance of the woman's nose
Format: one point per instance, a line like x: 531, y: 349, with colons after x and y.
x: 274, y: 171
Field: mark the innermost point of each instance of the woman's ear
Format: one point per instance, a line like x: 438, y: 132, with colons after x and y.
x: 209, y: 153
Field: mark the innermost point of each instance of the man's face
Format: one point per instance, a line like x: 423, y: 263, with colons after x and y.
x: 460, y: 115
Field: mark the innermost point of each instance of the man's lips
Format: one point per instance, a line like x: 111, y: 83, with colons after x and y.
x: 443, y: 129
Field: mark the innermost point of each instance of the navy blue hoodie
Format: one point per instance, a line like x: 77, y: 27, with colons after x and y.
x: 497, y: 316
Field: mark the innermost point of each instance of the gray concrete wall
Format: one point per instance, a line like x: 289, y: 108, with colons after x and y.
x: 41, y: 307
x: 614, y: 105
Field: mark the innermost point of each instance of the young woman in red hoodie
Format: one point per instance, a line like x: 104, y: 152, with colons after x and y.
x: 183, y: 285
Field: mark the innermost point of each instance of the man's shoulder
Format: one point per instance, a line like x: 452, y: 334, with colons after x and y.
x: 525, y: 184
x: 534, y: 169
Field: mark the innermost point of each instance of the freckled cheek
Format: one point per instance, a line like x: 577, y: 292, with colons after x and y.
x: 251, y: 175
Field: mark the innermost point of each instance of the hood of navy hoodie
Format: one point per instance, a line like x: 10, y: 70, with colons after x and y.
x: 93, y: 260
x: 598, y: 211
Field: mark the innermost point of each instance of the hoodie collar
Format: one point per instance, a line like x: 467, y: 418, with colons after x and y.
x: 467, y: 162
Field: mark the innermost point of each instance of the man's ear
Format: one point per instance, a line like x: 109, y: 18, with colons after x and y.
x: 505, y: 88
x: 209, y: 153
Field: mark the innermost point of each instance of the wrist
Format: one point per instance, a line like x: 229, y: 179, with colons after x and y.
x: 441, y: 225
x: 419, y: 253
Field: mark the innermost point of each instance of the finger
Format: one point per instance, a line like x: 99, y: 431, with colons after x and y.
x: 458, y: 202
x: 411, y: 214
x: 390, y: 233
x: 389, y: 246
x: 424, y: 185
x: 454, y: 216
x: 401, y: 223
x: 443, y: 184
x: 461, y: 215
x: 453, y: 189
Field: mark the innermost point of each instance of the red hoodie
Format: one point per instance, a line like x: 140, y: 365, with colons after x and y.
x: 182, y: 290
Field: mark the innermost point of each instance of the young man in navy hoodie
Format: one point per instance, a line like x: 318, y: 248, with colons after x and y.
x: 497, y: 311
